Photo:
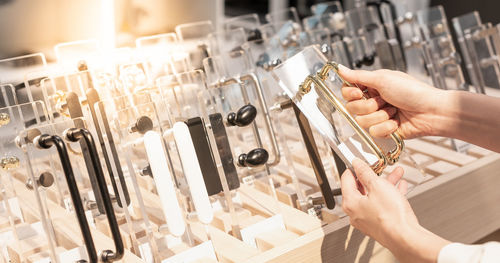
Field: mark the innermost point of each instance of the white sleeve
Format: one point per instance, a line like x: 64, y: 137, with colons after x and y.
x: 461, y: 253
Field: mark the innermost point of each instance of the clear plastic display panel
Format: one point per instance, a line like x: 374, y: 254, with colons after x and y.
x: 478, y: 45
x: 69, y: 54
x: 362, y: 21
x: 13, y: 70
x: 447, y: 60
x: 226, y: 66
x: 285, y: 15
x: 326, y: 15
x: 226, y: 41
x: 180, y: 91
x: 327, y: 7
x: 231, y: 98
x: 433, y: 22
x: 8, y: 95
x: 193, y: 37
x: 162, y: 55
x: 248, y: 22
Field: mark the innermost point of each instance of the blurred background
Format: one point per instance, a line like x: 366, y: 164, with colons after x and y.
x: 29, y: 26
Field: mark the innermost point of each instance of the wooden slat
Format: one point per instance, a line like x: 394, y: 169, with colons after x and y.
x: 440, y: 167
x: 268, y: 240
x: 295, y: 220
x: 439, y: 152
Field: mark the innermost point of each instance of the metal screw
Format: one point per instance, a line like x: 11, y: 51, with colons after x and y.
x: 46, y: 179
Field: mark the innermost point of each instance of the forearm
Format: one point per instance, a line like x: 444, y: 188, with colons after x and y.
x: 469, y: 117
x: 416, y: 244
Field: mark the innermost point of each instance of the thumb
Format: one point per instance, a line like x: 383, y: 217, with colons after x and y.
x: 366, y: 78
x: 364, y: 173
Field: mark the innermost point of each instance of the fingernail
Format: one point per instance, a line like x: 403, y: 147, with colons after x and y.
x: 343, y: 68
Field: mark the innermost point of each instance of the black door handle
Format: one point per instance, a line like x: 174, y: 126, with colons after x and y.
x: 76, y: 113
x: 46, y: 141
x: 74, y: 135
x: 315, y: 158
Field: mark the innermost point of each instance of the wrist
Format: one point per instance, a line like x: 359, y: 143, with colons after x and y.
x: 443, y: 112
x: 417, y: 244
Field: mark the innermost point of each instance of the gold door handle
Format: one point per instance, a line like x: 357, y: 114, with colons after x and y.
x: 393, y: 155
x: 318, y: 80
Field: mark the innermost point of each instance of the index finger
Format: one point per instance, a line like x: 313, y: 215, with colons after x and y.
x: 363, y: 77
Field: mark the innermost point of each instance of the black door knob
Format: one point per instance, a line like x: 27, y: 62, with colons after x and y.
x: 369, y: 59
x: 142, y: 125
x: 243, y: 117
x: 253, y: 158
x: 146, y: 171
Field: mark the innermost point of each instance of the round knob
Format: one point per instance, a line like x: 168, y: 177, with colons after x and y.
x: 357, y: 63
x: 253, y: 158
x: 243, y: 117
x: 254, y: 35
x: 46, y: 179
x: 326, y: 49
x: 82, y: 65
x: 368, y: 60
x: 272, y: 64
x: 142, y: 125
x: 146, y: 171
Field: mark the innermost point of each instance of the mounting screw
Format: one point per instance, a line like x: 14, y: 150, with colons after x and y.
x: 30, y: 136
x: 46, y: 179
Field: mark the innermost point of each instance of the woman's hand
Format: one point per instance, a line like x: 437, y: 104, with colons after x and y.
x: 379, y: 209
x: 398, y: 102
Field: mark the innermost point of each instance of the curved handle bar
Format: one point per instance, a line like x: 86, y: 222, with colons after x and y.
x: 46, y: 141
x: 74, y: 135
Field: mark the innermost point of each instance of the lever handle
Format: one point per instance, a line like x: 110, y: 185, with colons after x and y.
x: 192, y: 172
x: 93, y: 98
x: 157, y: 158
x: 74, y: 135
x: 243, y: 117
x: 45, y: 141
x: 253, y: 158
